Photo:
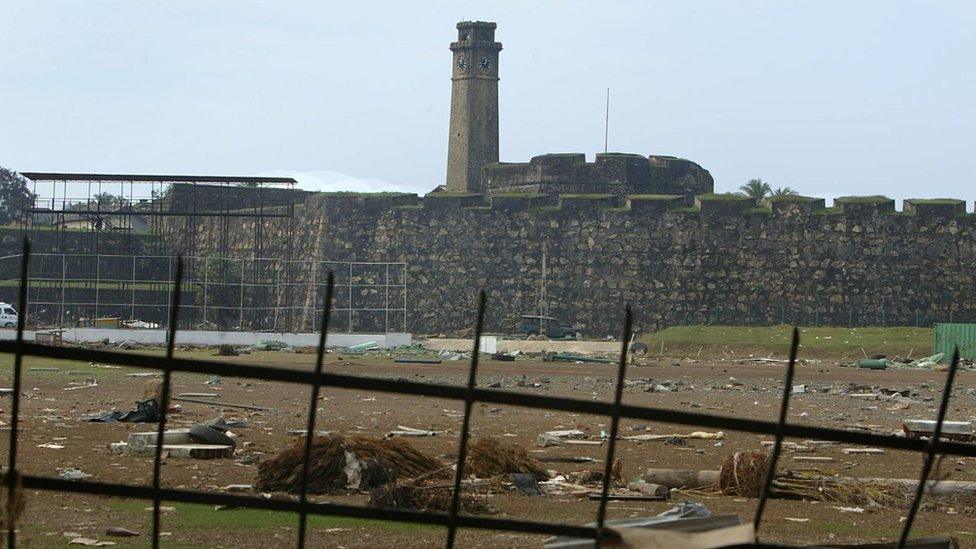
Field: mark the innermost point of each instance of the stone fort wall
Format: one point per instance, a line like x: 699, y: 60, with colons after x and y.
x: 717, y: 260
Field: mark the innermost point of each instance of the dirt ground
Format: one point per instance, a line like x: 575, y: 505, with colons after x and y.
x: 54, y: 413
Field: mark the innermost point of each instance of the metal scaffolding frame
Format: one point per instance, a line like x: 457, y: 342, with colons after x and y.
x: 112, y: 213
x: 249, y: 294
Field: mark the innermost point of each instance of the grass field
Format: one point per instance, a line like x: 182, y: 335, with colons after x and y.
x: 186, y: 516
x: 835, y: 343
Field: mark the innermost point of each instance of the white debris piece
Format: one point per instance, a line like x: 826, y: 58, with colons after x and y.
x: 863, y: 451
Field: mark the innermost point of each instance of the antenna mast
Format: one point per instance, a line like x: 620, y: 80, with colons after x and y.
x: 606, y: 127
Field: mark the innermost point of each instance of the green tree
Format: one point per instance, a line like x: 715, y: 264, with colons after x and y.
x: 756, y: 188
x: 14, y: 196
x: 784, y: 191
x: 105, y: 201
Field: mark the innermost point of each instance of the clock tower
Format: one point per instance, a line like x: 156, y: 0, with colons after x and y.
x: 473, y: 142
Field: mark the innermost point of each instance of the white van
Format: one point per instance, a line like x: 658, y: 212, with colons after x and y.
x: 8, y: 316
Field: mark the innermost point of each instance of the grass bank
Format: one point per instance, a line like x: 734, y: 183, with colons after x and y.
x: 831, y: 343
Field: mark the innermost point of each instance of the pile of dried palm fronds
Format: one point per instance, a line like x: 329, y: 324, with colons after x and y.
x: 334, y: 459
x: 844, y: 491
x: 741, y: 473
x: 427, y: 496
x: 489, y: 457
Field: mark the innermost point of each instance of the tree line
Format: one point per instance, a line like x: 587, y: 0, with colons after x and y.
x: 760, y: 190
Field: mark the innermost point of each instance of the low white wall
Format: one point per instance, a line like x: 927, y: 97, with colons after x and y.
x: 194, y: 337
x: 508, y: 345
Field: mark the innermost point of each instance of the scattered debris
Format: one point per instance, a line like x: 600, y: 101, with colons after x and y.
x: 584, y: 442
x: 227, y: 350
x: 177, y: 443
x: 594, y: 496
x: 588, y: 476
x: 787, y: 445
x: 410, y: 360
x: 452, y: 356
x: 196, y: 451
x: 73, y: 474
x: 238, y: 488
x: 687, y: 516
x: 569, y: 357
x: 953, y: 430
x: 639, y: 348
x: 883, y: 363
x: 649, y: 489
x: 570, y: 434
x: 91, y: 542
x: 139, y: 325
x: 362, y: 348
x: 703, y: 435
x: 863, y: 451
x: 223, y: 404
x: 145, y: 411
x: 527, y: 483
x: 403, y: 431
x: 566, y: 459
x: 119, y: 532
x: 270, y: 345
x: 211, y: 434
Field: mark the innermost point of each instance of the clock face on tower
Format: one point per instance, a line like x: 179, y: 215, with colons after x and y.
x: 484, y: 63
x: 462, y: 62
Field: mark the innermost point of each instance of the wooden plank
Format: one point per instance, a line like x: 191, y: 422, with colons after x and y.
x: 223, y: 404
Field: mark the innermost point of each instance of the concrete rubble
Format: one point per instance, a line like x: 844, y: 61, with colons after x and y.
x: 177, y: 443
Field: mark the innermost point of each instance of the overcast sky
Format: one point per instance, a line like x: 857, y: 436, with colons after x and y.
x: 868, y: 97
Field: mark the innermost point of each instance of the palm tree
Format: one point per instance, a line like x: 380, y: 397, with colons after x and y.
x: 756, y: 188
x: 784, y: 191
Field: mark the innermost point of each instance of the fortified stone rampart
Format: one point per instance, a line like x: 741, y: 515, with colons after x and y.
x: 614, y: 173
x: 717, y: 259
x: 182, y: 197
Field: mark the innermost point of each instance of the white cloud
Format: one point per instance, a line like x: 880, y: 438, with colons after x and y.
x: 331, y: 181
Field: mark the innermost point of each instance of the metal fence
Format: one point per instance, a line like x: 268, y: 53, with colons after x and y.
x: 218, y: 293
x: 469, y: 394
